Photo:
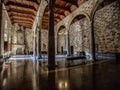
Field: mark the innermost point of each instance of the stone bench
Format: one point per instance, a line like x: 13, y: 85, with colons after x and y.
x: 109, y: 56
x: 75, y: 58
x: 80, y: 55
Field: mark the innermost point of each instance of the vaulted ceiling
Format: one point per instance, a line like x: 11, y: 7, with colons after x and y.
x: 23, y: 12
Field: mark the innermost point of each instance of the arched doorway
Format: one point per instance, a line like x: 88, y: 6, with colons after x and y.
x: 79, y: 32
x: 61, y: 40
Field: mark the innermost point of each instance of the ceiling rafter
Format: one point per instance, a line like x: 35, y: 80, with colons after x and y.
x: 21, y: 18
x: 47, y: 20
x: 22, y: 22
x: 46, y: 16
x: 55, y: 14
x: 63, y: 8
x: 60, y: 13
x: 56, y: 11
x: 23, y: 3
x: 20, y: 14
x: 73, y: 2
x: 38, y: 1
x: 17, y: 17
x: 21, y: 9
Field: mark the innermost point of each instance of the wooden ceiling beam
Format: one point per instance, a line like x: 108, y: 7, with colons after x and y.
x: 5, y: 1
x: 55, y: 17
x: 19, y: 18
x: 21, y: 15
x: 23, y: 3
x: 63, y: 8
x: 22, y: 9
x: 22, y: 21
x: 38, y: 1
x: 47, y: 20
x: 73, y: 2
x: 56, y: 12
x: 60, y: 13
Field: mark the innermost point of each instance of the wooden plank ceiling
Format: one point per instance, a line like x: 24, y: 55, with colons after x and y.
x: 61, y: 10
x: 23, y: 12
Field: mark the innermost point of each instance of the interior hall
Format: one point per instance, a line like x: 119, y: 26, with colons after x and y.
x: 59, y: 44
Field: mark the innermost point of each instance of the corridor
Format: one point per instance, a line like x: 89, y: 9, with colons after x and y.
x: 29, y: 74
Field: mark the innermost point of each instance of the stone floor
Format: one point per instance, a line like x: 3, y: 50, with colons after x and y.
x: 28, y: 74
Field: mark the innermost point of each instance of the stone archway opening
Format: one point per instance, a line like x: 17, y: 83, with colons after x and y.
x: 79, y: 34
x: 61, y: 40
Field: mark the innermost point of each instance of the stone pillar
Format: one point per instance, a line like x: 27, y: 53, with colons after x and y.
x: 51, y: 36
x: 34, y: 45
x: 68, y: 43
x: 92, y: 41
x: 0, y: 25
x: 9, y: 40
x: 39, y: 43
x: 1, y: 28
x: 57, y: 43
x: 25, y: 42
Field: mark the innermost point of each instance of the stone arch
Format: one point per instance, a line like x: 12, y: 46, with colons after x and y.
x: 60, y: 25
x: 96, y: 6
x: 61, y: 34
x: 80, y: 37
x: 43, y: 6
x: 75, y: 15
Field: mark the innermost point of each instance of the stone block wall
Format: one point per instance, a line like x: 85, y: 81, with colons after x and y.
x: 107, y: 28
x: 29, y: 39
x: 44, y: 42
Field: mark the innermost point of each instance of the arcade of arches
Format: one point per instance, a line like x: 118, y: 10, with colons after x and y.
x: 57, y: 34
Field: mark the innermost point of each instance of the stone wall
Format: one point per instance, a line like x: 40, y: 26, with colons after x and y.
x: 107, y: 28
x: 29, y: 39
x: 20, y: 37
x: 44, y: 42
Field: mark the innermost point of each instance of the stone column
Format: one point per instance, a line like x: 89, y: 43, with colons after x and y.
x: 68, y: 43
x: 57, y: 43
x: 51, y: 36
x: 39, y: 43
x: 25, y: 42
x: 9, y: 40
x: 92, y: 41
x: 0, y: 25
x: 34, y: 45
x: 1, y: 28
